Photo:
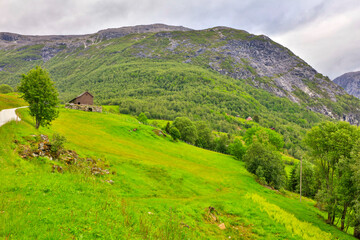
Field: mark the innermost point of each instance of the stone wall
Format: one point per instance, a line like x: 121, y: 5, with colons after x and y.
x: 83, y: 107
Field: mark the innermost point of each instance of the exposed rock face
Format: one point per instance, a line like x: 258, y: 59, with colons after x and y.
x: 350, y: 82
x: 238, y: 54
x: 286, y: 72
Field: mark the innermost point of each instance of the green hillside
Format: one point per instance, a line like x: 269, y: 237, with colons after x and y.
x: 161, y: 189
x: 215, y: 75
x: 11, y: 100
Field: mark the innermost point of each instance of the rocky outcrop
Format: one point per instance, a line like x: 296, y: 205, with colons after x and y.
x: 350, y: 82
x: 83, y: 107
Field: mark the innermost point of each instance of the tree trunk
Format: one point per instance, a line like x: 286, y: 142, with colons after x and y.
x: 333, y: 219
x: 357, y: 231
x: 37, y: 123
x: 329, y: 218
x: 343, y: 216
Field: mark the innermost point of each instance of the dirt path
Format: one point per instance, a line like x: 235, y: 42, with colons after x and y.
x: 7, y: 115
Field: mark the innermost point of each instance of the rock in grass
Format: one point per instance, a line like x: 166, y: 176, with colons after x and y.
x: 222, y: 226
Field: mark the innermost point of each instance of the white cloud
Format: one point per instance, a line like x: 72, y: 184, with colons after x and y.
x: 330, y: 43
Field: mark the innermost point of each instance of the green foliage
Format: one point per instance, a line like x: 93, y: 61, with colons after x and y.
x: 39, y: 91
x: 309, y: 181
x: 143, y: 118
x: 272, y: 166
x: 187, y: 129
x: 167, y: 128
x: 4, y: 88
x: 355, y: 168
x: 57, y: 145
x: 221, y: 143
x: 293, y: 179
x: 265, y: 136
x: 204, y: 135
x: 237, y: 149
x: 174, y: 132
x: 256, y: 118
x: 331, y: 146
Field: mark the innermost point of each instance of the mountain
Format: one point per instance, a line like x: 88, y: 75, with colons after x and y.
x: 157, y: 63
x: 350, y: 82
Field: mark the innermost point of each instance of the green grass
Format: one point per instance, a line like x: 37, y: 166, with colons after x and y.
x: 289, y: 163
x: 162, y: 189
x: 11, y: 100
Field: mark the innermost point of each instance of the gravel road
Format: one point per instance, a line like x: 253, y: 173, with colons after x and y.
x: 7, y: 115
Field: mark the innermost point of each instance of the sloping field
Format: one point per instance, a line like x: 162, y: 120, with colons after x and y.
x: 11, y: 100
x: 161, y: 189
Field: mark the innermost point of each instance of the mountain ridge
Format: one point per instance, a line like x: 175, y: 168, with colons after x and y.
x: 11, y: 38
x: 258, y: 60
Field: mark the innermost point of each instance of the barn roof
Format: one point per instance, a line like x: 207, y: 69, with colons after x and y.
x: 81, y: 95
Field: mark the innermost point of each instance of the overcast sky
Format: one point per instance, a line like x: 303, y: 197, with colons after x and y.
x: 325, y: 33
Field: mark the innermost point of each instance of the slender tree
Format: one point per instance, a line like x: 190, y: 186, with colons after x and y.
x: 330, y: 146
x: 39, y: 91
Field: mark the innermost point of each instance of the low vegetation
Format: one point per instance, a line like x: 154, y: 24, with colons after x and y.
x: 11, y: 100
x: 160, y: 188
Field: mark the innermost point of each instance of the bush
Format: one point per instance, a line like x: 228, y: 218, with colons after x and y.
x: 204, y: 135
x: 237, y: 149
x: 175, y: 134
x: 272, y: 167
x: 143, y: 118
x: 186, y: 128
x: 221, y: 144
x: 265, y: 136
x: 167, y: 128
x: 57, y: 145
x: 4, y: 88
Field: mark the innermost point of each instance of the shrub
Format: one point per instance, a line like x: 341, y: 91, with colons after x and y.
x: 237, y: 149
x: 174, y: 132
x: 187, y: 129
x: 57, y: 145
x: 4, y: 88
x: 167, y: 128
x: 143, y: 118
x: 265, y: 136
x: 272, y: 166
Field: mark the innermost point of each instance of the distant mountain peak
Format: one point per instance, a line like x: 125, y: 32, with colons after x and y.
x: 350, y: 82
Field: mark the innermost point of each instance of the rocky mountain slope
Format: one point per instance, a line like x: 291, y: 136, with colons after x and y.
x: 350, y: 82
x: 257, y: 60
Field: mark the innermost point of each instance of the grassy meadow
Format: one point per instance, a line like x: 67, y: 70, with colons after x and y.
x: 11, y: 100
x: 162, y: 189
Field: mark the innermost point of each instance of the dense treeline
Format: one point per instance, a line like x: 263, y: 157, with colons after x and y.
x: 335, y: 150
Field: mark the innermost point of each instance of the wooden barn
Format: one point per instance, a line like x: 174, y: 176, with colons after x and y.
x: 85, y: 98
